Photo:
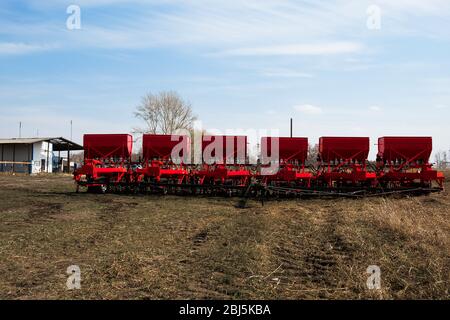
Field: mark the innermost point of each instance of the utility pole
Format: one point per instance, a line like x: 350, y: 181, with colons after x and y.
x: 291, y: 127
x: 20, y: 129
x: 70, y: 130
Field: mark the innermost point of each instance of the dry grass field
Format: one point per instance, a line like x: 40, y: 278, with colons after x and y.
x: 169, y: 247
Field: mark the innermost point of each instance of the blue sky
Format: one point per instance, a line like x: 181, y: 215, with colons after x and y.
x: 242, y: 65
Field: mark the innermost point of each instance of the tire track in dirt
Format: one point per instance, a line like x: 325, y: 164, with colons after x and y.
x: 204, y: 280
x: 221, y: 256
x: 310, y: 251
x: 110, y: 215
x: 331, y: 251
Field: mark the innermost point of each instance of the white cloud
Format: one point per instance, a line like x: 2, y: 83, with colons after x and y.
x: 235, y: 27
x: 298, y: 49
x: 375, y: 108
x: 286, y: 73
x: 416, y: 7
x: 10, y: 48
x: 308, y: 109
x: 441, y: 106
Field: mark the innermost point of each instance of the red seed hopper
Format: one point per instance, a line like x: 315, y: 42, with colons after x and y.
x: 107, y: 158
x: 404, y: 162
x: 164, y: 160
x: 224, y: 161
x: 283, y: 161
x: 343, y: 162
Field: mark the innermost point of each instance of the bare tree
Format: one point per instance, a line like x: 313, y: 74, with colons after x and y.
x: 440, y: 159
x: 164, y: 112
x: 313, y: 152
x: 77, y: 157
x: 444, y: 160
x: 437, y: 159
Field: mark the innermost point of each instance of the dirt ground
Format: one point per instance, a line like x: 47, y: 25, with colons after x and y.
x: 169, y: 247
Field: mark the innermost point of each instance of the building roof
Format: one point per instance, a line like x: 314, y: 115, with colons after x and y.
x: 59, y: 143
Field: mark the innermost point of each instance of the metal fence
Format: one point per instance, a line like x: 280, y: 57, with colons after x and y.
x: 15, y: 167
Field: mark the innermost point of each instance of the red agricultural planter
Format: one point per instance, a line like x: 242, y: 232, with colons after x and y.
x: 283, y: 161
x: 224, y: 161
x: 343, y: 168
x: 107, y: 159
x: 164, y: 160
x: 343, y: 162
x: 404, y: 162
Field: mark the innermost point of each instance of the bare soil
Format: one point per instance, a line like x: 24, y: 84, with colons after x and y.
x: 173, y: 247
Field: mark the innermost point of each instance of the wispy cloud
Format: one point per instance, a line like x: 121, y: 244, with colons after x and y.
x: 298, y: 49
x: 308, y: 109
x: 416, y: 7
x: 375, y: 108
x: 286, y: 73
x: 11, y: 48
x: 234, y: 27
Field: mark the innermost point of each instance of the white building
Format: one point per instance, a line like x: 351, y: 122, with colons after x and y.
x: 35, y: 155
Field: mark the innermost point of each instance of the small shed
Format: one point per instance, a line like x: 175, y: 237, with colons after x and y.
x: 35, y: 155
